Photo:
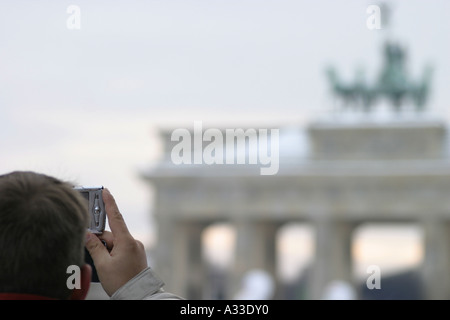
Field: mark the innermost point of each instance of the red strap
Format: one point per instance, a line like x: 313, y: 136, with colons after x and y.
x: 22, y: 296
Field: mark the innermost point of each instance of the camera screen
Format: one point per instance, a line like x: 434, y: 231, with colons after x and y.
x: 86, y: 196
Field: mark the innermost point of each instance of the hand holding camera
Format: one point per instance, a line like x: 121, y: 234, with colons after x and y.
x: 123, y: 257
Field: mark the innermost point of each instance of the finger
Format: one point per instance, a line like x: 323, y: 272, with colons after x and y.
x: 96, y: 248
x: 115, y: 218
x: 108, y: 237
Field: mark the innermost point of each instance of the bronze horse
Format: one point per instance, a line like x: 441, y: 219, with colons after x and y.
x: 393, y: 84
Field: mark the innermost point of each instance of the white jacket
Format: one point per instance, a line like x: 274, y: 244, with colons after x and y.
x: 144, y: 286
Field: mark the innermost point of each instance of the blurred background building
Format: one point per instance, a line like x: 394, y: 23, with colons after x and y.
x: 357, y: 172
x: 379, y: 158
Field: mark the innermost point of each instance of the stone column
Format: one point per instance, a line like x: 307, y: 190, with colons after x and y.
x: 436, y: 264
x: 163, y: 262
x: 255, y: 249
x: 187, y: 260
x: 333, y: 259
x: 179, y: 258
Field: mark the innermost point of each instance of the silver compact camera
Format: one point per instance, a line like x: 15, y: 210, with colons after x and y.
x: 95, y: 207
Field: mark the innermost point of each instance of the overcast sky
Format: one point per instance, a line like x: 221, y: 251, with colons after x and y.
x: 84, y: 105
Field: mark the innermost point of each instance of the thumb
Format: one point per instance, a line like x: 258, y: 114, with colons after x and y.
x: 96, y: 248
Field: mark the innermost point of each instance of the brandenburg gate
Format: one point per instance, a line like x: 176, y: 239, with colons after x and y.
x: 357, y: 170
x: 395, y: 171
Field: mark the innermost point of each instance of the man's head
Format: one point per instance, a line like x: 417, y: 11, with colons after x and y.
x: 43, y: 224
